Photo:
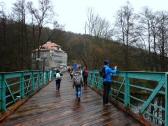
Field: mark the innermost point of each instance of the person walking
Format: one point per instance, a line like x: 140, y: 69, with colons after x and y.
x: 107, y: 80
x: 58, y: 80
x: 71, y: 73
x: 77, y: 83
x: 85, y: 75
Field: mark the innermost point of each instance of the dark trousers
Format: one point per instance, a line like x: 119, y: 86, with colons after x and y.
x: 106, y: 90
x: 78, y: 90
x: 58, y: 81
x: 85, y: 80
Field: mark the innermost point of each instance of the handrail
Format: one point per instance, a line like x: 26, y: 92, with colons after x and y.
x: 18, y: 85
x: 144, y: 93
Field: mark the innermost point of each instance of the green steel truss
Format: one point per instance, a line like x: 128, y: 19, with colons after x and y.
x: 19, y: 85
x: 144, y: 93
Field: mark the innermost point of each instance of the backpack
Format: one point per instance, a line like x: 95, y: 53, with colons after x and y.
x: 102, y: 72
x: 77, y: 79
x: 58, y: 76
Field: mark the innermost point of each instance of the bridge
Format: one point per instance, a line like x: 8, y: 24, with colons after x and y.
x: 29, y: 98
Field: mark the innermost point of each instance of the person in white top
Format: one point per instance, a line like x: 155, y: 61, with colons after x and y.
x: 58, y: 80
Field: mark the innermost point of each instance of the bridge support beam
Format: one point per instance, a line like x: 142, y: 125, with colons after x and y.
x: 152, y: 96
x: 2, y: 93
x: 22, y: 87
x: 127, y: 92
x: 38, y: 84
x: 166, y: 99
x: 33, y: 82
x: 46, y: 78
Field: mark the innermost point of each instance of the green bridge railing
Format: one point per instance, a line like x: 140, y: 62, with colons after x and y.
x: 144, y: 94
x: 15, y: 86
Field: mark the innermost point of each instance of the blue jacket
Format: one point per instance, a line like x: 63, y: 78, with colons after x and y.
x: 109, y: 73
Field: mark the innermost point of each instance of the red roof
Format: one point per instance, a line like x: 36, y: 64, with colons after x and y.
x: 51, y: 46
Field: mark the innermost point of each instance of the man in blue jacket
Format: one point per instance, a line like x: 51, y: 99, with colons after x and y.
x: 107, y: 80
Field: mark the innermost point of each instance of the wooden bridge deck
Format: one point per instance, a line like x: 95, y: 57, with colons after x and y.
x: 52, y: 108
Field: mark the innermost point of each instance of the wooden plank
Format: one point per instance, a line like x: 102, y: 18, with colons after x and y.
x: 52, y: 108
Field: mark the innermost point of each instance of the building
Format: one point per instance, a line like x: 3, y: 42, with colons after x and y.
x: 51, y: 56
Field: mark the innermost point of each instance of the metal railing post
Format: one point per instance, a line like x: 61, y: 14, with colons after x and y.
x: 88, y: 79
x: 48, y: 76
x: 93, y: 79
x: 166, y: 99
x: 33, y: 81
x: 99, y: 83
x: 2, y: 94
x: 127, y: 91
x: 38, y: 85
x: 22, y: 92
x: 51, y: 75
x: 43, y: 78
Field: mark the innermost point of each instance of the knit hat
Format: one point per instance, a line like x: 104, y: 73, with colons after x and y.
x: 106, y: 62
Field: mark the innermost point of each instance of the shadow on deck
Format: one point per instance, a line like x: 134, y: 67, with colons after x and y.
x: 52, y: 108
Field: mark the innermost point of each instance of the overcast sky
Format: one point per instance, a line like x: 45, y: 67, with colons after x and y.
x: 73, y: 13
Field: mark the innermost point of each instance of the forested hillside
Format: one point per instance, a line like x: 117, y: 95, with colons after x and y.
x: 16, y: 54
x: 141, y: 41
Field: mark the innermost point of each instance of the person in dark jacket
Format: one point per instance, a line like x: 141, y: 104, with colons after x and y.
x: 107, y: 80
x: 85, y: 75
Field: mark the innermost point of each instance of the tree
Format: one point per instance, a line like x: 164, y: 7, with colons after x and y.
x: 101, y: 30
x: 57, y: 27
x: 145, y: 24
x: 126, y: 30
x: 97, y: 26
x: 162, y: 37
x: 19, y: 10
x: 3, y: 35
x: 3, y: 19
x: 42, y: 15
